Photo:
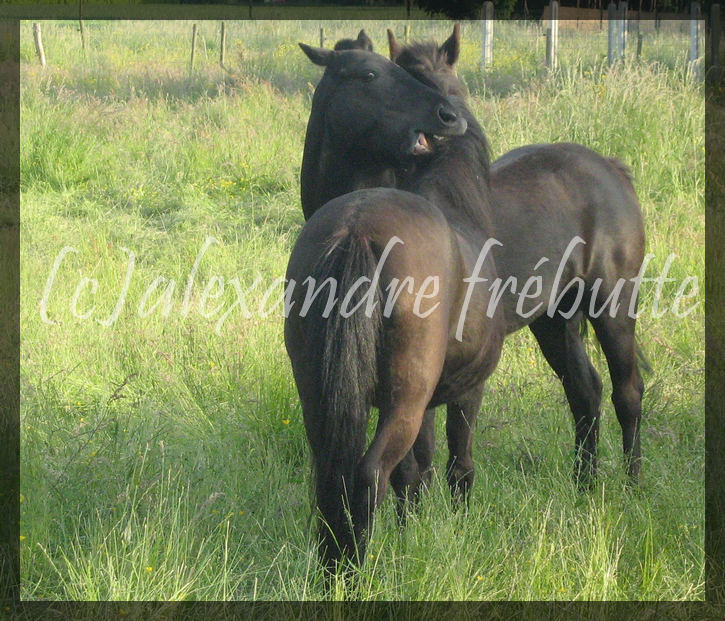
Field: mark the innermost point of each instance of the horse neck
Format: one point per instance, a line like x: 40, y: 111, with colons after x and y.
x: 456, y: 179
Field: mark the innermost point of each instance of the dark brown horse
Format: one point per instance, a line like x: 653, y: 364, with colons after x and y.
x: 362, y: 42
x: 356, y: 135
x: 544, y: 198
x: 393, y: 312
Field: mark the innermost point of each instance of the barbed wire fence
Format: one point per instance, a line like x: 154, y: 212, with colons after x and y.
x: 613, y: 35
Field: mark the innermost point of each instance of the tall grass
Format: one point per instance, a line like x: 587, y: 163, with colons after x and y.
x: 164, y: 456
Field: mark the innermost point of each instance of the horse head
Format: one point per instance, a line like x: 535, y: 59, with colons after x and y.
x: 431, y: 64
x: 367, y: 100
x: 368, y: 116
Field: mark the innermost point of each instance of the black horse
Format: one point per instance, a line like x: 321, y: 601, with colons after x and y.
x: 362, y: 42
x: 355, y: 138
x: 410, y: 328
x: 544, y: 198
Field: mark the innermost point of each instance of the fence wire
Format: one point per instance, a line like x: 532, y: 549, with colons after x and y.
x: 158, y: 61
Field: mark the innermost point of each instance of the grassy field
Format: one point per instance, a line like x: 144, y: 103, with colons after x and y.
x: 163, y: 453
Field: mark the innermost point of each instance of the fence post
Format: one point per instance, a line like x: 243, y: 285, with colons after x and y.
x: 622, y: 44
x: 322, y: 37
x: 639, y: 45
x: 695, y: 39
x: 612, y: 33
x: 406, y: 32
x: 83, y: 30
x: 715, y: 42
x: 193, y: 47
x: 547, y: 34
x: 552, y: 35
x: 487, y: 34
x: 222, y: 44
x: 39, y: 44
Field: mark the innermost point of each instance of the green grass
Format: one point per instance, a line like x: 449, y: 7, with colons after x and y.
x: 162, y: 458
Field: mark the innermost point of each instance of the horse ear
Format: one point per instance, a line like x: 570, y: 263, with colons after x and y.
x: 318, y: 55
x: 364, y: 41
x: 452, y: 46
x: 393, y: 45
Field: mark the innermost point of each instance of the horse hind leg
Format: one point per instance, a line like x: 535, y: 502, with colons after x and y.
x: 407, y: 387
x: 411, y: 477
x: 616, y: 336
x: 564, y: 350
x: 391, y: 446
x: 460, y: 424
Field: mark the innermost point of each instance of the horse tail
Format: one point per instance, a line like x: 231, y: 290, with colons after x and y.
x: 347, y: 350
x: 643, y: 362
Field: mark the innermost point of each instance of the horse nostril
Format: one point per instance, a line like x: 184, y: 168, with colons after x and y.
x: 447, y: 116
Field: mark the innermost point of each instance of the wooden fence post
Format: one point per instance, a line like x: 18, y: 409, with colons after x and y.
x: 83, y: 30
x: 552, y: 35
x: 487, y: 34
x: 639, y: 45
x: 715, y: 42
x: 406, y: 32
x: 547, y: 34
x: 222, y: 44
x: 193, y: 47
x: 612, y: 33
x: 322, y: 37
x: 622, y: 19
x: 39, y: 44
x: 695, y: 63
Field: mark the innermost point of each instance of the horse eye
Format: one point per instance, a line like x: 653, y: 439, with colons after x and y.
x: 371, y: 75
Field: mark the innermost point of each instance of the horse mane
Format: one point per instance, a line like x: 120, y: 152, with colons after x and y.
x: 312, y: 152
x: 457, y: 174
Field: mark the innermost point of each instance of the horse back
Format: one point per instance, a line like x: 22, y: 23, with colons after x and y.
x: 422, y: 265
